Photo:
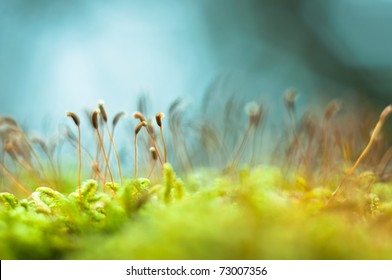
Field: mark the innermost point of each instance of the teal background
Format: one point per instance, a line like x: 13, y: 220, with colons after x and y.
x: 58, y: 56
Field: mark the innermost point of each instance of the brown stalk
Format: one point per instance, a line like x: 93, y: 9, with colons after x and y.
x: 175, y: 124
x: 36, y: 157
x: 20, y: 149
x: 158, y: 119
x: 44, y: 147
x: 327, y: 135
x: 105, y: 119
x: 94, y: 121
x: 149, y: 129
x: 14, y: 151
x: 76, y: 120
x: 140, y: 116
x: 253, y: 111
x: 373, y: 137
x: 154, y: 157
x: 72, y: 139
x: 137, y: 130
x: 97, y: 172
x: 17, y: 183
x: 384, y: 162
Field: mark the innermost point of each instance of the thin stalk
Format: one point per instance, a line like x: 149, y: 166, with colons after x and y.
x: 239, y: 147
x: 151, y: 169
x: 76, y: 120
x: 164, y: 144
x: 158, y: 119
x: 154, y: 145
x: 79, y: 169
x: 135, y: 156
x: 137, y: 130
x: 105, y: 156
x: 17, y: 183
x: 373, y: 138
x: 115, y: 152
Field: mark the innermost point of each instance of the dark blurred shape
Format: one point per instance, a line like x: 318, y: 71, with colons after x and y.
x: 347, y: 43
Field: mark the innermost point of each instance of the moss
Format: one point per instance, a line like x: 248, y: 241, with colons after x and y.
x: 247, y: 211
x: 9, y: 200
x: 253, y: 216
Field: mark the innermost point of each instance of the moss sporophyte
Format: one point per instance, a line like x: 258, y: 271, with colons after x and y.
x: 322, y: 191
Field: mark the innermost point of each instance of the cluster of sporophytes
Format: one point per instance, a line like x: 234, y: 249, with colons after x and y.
x: 325, y: 193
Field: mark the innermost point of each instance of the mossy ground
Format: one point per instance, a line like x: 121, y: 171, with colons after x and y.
x: 257, y: 213
x: 308, y: 200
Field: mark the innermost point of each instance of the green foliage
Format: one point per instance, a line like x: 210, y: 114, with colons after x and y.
x: 173, y: 187
x: 47, y: 224
x: 9, y: 200
x: 259, y: 213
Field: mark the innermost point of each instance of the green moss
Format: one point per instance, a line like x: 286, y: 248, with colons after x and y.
x: 258, y: 213
x: 8, y: 200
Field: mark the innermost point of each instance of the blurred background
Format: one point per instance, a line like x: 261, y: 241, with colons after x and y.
x: 58, y: 56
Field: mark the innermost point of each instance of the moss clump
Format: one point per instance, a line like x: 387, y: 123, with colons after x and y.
x: 255, y: 214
